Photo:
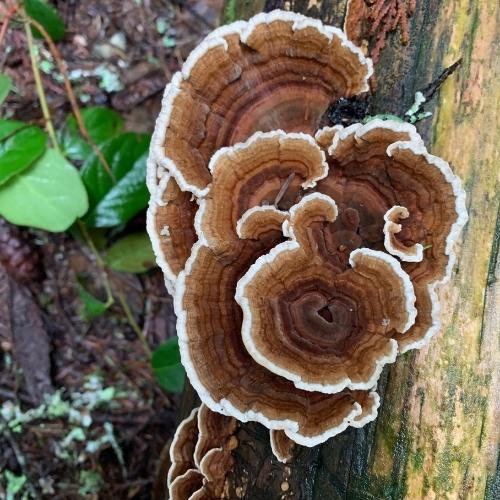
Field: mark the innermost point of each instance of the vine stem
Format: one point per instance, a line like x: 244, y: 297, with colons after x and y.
x: 39, y: 88
x: 71, y: 95
x: 28, y: 22
x: 6, y: 20
x: 100, y: 263
x: 134, y: 325
x: 109, y: 294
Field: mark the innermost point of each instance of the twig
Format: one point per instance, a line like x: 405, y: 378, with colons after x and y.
x: 434, y: 86
x: 133, y: 323
x: 100, y: 263
x: 39, y: 88
x: 21, y: 460
x: 283, y: 189
x: 71, y: 95
x: 415, y: 113
x: 6, y: 20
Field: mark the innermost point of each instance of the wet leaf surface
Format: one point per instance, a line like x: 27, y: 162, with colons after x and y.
x: 19, y: 150
x: 49, y: 195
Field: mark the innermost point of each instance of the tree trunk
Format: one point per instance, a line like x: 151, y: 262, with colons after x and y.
x: 435, y: 436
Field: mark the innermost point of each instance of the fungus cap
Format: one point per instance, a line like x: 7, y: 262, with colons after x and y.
x: 318, y: 325
x: 245, y: 177
x: 241, y: 226
x: 279, y: 70
x: 201, y: 455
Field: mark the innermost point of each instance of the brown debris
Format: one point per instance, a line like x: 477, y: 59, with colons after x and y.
x: 376, y: 19
x: 19, y: 257
x: 31, y: 344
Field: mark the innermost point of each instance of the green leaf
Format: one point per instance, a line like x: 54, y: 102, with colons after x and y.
x: 14, y: 483
x: 20, y: 151
x: 114, y: 204
x: 9, y: 127
x: 167, y: 367
x: 47, y: 16
x: 5, y: 86
x: 132, y: 254
x: 49, y: 195
x: 92, y: 307
x: 102, y: 124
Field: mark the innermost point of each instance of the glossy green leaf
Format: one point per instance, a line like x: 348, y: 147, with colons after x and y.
x: 5, y: 86
x: 132, y: 254
x: 113, y: 204
x: 92, y: 307
x: 49, y: 195
x: 102, y: 124
x: 167, y: 367
x: 20, y: 150
x: 47, y: 16
x: 9, y: 127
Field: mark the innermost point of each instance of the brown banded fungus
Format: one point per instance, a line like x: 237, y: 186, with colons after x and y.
x: 325, y: 310
x: 201, y: 455
x: 278, y: 70
x: 334, y: 246
x: 382, y: 165
x: 245, y: 178
x: 315, y: 320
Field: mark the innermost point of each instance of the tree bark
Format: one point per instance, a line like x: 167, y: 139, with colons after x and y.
x: 436, y: 433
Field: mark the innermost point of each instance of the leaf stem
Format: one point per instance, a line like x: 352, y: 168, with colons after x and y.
x: 134, y: 324
x: 100, y: 263
x: 71, y: 95
x: 6, y: 20
x: 39, y: 88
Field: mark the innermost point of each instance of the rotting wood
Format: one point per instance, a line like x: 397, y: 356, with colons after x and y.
x: 436, y: 434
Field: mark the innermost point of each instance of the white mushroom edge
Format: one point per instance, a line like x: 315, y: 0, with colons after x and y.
x: 416, y: 145
x: 292, y: 245
x: 158, y: 162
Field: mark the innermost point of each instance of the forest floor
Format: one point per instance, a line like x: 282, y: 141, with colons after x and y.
x: 120, y: 54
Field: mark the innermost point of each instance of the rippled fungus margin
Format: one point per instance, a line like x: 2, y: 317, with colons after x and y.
x: 233, y: 160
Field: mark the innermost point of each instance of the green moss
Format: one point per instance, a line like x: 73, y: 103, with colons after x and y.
x: 418, y: 460
x: 443, y: 481
x: 230, y: 11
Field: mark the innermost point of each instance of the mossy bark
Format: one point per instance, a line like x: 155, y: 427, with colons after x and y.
x: 436, y: 433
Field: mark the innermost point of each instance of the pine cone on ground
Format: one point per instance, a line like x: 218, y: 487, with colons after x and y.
x: 17, y: 255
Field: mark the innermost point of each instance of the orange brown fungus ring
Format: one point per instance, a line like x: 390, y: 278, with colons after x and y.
x: 312, y: 261
x: 201, y: 455
x: 278, y: 70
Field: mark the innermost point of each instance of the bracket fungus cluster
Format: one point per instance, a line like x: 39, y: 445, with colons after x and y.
x: 201, y: 455
x: 302, y: 258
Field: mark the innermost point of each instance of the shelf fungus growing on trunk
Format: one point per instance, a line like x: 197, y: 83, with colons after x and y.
x: 278, y: 70
x: 323, y: 304
x: 319, y: 321
x: 302, y: 259
x: 201, y: 455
